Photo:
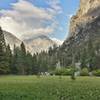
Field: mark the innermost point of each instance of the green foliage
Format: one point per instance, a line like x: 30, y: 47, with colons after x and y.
x: 29, y: 64
x: 49, y: 88
x: 73, y: 70
x: 4, y: 63
x: 96, y: 72
x: 84, y: 72
x: 9, y: 57
x: 23, y: 62
x: 63, y: 71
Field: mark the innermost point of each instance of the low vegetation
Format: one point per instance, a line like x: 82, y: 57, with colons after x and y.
x: 49, y: 88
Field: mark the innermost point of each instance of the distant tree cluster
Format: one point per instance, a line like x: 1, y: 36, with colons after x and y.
x: 87, y: 54
x: 21, y: 62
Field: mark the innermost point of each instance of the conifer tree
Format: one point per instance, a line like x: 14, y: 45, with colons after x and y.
x: 23, y: 59
x: 91, y: 55
x: 3, y: 64
x: 9, y: 57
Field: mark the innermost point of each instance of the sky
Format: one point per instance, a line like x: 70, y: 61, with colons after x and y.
x: 27, y: 18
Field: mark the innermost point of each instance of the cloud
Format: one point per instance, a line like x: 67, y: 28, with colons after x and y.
x: 30, y: 10
x: 26, y: 19
x: 55, y: 6
x: 43, y: 31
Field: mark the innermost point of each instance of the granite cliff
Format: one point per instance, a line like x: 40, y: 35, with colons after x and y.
x: 84, y: 25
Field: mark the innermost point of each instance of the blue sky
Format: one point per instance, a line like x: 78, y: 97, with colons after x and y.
x: 55, y: 25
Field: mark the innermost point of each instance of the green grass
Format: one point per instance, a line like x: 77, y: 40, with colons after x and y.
x: 49, y: 88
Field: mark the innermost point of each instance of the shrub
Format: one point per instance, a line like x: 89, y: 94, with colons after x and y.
x: 63, y: 71
x: 67, y: 71
x: 84, y: 72
x: 96, y: 72
x: 73, y: 74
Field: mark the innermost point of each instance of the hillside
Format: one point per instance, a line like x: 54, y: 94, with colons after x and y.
x: 39, y: 43
x: 85, y: 24
x: 11, y: 39
x: 35, y: 44
x: 82, y: 44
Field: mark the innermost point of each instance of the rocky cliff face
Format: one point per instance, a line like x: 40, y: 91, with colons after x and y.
x: 85, y: 24
x: 88, y: 11
x: 39, y: 43
x: 11, y: 39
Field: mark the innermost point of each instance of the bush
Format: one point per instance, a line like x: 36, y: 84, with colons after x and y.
x: 84, y: 72
x: 63, y: 71
x: 96, y: 72
x: 73, y: 74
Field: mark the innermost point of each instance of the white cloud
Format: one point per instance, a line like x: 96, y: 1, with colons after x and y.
x: 30, y: 10
x: 54, y: 6
x: 43, y: 31
x: 26, y: 19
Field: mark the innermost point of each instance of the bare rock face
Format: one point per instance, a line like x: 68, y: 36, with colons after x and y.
x: 39, y: 43
x: 86, y: 6
x: 11, y: 39
x: 84, y: 25
x: 88, y: 11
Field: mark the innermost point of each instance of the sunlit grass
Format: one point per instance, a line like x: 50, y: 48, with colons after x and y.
x: 49, y: 88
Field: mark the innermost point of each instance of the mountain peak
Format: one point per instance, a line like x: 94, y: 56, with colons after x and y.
x: 11, y: 39
x: 84, y: 25
x: 88, y: 11
x: 87, y: 6
x: 37, y: 37
x: 39, y: 43
x: 35, y: 44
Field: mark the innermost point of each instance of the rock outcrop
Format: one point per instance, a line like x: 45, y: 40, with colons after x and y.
x: 85, y: 24
x: 11, y: 39
x: 88, y: 11
x: 39, y: 43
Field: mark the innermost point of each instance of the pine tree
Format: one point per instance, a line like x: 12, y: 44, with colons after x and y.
x: 19, y: 60
x: 36, y: 64
x: 23, y: 66
x: 3, y: 64
x: 91, y: 55
x: 9, y: 57
x: 83, y: 57
x: 15, y: 56
x: 29, y: 63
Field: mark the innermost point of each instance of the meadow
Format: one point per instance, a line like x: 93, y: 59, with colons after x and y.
x: 49, y: 88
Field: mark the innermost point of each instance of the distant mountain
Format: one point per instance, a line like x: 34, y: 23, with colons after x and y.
x: 57, y: 41
x: 11, y: 39
x: 39, y: 43
x: 35, y: 44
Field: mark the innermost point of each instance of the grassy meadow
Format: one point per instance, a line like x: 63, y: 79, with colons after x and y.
x: 49, y: 88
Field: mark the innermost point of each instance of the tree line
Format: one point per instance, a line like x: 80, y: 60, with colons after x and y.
x: 21, y: 62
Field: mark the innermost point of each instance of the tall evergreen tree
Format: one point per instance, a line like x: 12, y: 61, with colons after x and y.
x: 91, y: 55
x: 83, y: 57
x: 29, y: 63
x: 4, y: 69
x: 9, y: 57
x: 15, y: 63
x: 22, y: 61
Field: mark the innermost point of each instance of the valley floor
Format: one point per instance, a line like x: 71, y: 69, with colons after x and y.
x: 49, y: 88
